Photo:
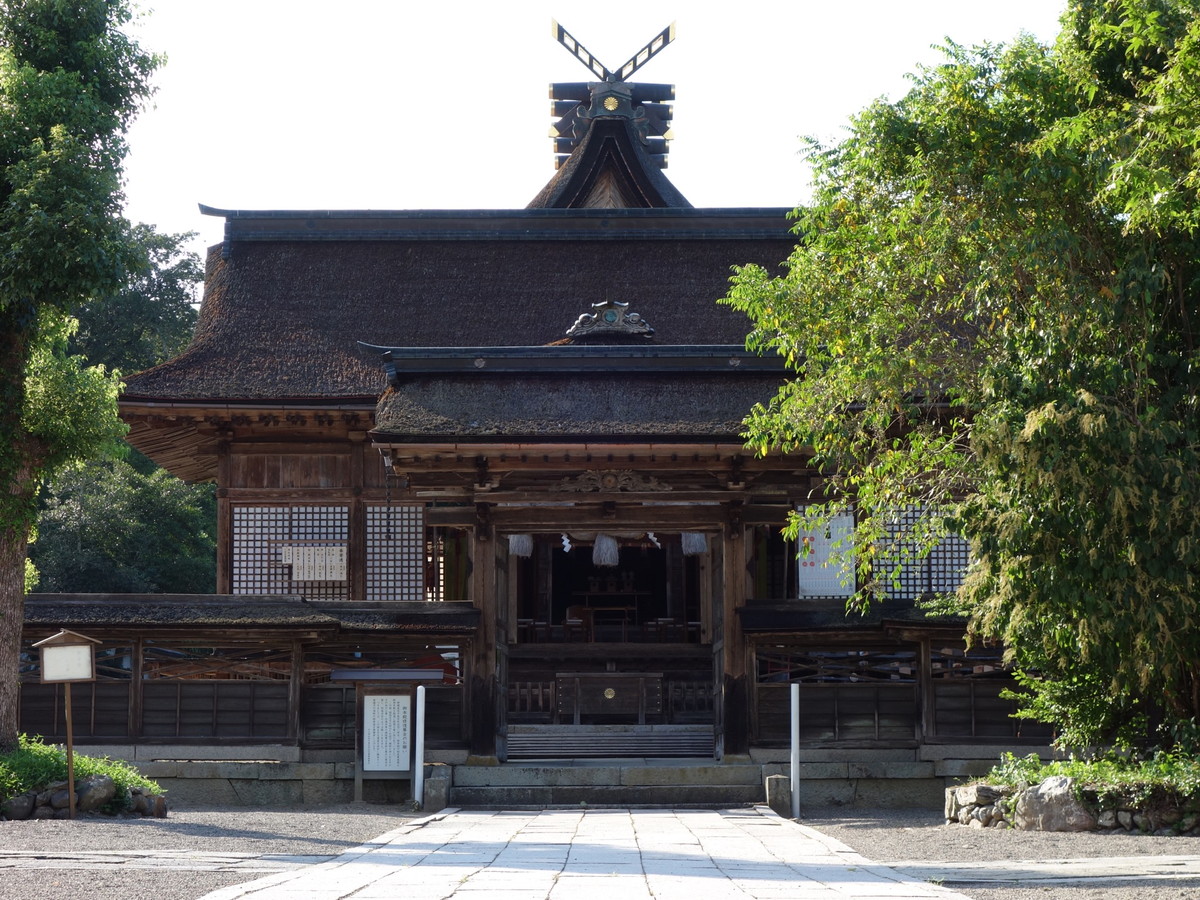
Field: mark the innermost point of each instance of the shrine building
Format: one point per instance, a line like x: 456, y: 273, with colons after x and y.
x: 506, y: 445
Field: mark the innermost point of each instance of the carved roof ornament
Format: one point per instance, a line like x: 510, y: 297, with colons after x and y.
x: 608, y: 481
x: 608, y: 319
x: 647, y: 106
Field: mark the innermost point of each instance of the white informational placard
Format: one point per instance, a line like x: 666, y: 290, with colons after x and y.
x: 315, y: 563
x: 70, y: 662
x: 387, y: 732
x: 818, y: 576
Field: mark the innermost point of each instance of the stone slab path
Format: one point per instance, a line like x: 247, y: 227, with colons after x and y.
x: 1047, y: 872
x: 610, y: 854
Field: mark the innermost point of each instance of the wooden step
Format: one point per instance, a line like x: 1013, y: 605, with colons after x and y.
x: 601, y: 741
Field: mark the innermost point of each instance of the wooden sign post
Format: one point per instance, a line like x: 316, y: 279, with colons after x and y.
x: 390, y: 732
x: 68, y: 657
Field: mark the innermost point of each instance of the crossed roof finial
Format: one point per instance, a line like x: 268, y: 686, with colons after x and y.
x: 635, y: 62
x: 575, y: 104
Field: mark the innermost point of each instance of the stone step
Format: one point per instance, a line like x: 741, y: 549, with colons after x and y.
x: 610, y: 795
x: 599, y: 741
x: 611, y: 783
x: 567, y: 774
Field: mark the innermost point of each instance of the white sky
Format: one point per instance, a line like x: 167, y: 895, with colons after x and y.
x: 367, y: 104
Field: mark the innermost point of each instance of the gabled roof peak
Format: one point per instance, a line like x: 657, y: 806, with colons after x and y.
x: 623, y: 166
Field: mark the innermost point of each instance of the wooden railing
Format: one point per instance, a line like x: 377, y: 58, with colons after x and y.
x: 839, y: 713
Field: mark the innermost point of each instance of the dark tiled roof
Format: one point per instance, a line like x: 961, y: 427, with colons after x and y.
x: 684, y: 405
x: 284, y: 312
x: 199, y: 611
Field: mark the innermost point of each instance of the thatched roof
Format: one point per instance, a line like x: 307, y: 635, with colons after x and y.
x: 683, y: 406
x: 288, y: 296
x: 609, y: 168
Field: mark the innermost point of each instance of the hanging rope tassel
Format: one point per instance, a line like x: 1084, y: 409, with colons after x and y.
x: 694, y: 543
x: 606, y: 552
x: 520, y: 544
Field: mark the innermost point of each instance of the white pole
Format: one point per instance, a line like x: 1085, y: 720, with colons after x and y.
x: 795, y: 773
x: 419, y: 750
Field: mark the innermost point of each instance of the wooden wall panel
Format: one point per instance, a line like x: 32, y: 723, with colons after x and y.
x: 291, y: 470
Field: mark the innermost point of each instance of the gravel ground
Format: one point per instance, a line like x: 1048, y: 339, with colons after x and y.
x: 886, y: 836
x: 325, y: 831
x: 896, y: 836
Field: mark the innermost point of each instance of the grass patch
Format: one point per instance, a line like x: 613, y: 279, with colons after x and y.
x: 35, y: 764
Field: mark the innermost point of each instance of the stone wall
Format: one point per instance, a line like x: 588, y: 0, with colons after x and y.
x: 1059, y: 804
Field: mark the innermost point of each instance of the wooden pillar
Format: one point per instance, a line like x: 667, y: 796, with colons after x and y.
x: 356, y: 550
x: 925, y: 722
x: 224, y: 521
x: 295, y: 692
x: 137, y: 652
x: 736, y: 681
x: 483, y: 689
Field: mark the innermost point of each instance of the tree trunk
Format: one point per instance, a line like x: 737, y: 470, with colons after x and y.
x: 12, y: 617
x: 18, y: 486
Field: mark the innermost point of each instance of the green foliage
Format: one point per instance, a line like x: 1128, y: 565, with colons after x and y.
x: 993, y: 313
x: 1110, y: 777
x: 121, y: 524
x: 1079, y: 703
x: 151, y: 317
x: 106, y: 527
x: 70, y: 406
x: 34, y: 765
x: 70, y: 83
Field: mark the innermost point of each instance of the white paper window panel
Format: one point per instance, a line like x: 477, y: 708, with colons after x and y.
x: 818, y: 576
x: 396, y: 552
x: 260, y: 536
x: 940, y: 572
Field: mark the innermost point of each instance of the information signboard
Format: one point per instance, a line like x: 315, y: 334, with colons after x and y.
x: 387, y: 732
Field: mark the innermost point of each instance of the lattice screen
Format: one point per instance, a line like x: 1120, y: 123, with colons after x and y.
x: 396, y: 553
x: 265, y: 536
x: 940, y: 572
x: 817, y: 575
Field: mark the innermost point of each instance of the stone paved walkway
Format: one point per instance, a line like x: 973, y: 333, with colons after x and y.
x: 604, y: 854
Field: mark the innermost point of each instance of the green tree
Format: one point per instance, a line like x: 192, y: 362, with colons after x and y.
x: 150, y: 318
x: 70, y: 83
x: 992, y: 312
x: 107, y: 527
x: 124, y: 525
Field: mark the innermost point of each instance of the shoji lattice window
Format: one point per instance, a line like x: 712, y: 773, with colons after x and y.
x: 939, y: 572
x: 396, y: 553
x: 291, y: 550
x: 818, y: 574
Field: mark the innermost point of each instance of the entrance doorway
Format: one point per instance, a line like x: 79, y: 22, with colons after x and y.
x: 610, y: 652
x: 636, y: 589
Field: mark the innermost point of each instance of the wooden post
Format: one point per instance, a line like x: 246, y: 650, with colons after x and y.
x: 356, y: 551
x: 925, y: 721
x: 295, y: 692
x: 70, y: 752
x: 735, y: 687
x: 224, y: 520
x: 484, y: 696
